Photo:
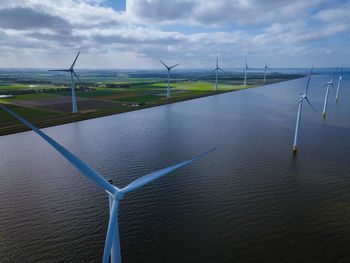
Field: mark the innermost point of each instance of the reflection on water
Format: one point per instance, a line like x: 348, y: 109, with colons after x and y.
x: 249, y: 201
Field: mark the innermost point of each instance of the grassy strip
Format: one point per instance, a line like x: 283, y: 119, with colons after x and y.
x: 14, y: 128
x: 176, y: 97
x: 30, y: 96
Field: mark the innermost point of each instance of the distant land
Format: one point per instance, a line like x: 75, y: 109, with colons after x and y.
x: 44, y: 98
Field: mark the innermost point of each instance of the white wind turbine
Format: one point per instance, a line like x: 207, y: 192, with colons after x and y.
x: 112, y: 244
x: 329, y: 84
x: 168, y: 68
x: 297, y: 126
x: 216, y: 73
x: 266, y: 67
x: 338, y: 87
x: 72, y: 72
x: 245, y: 73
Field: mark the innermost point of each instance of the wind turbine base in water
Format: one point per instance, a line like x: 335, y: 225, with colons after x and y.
x: 297, y: 126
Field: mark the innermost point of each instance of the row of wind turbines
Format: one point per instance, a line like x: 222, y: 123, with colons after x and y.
x: 216, y: 70
x: 304, y: 97
x: 73, y: 75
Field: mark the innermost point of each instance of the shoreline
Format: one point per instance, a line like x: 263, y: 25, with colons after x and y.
x: 7, y: 130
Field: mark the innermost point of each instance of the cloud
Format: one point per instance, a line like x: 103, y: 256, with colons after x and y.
x: 219, y: 13
x: 194, y: 32
x: 19, y: 18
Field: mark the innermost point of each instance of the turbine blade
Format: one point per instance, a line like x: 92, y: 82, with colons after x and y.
x: 112, y: 227
x: 75, y: 74
x: 334, y: 74
x: 217, y: 62
x: 157, y: 174
x: 308, y: 81
x: 68, y: 70
x: 76, y: 162
x: 164, y: 64
x: 332, y: 86
x: 174, y: 66
x: 222, y: 70
x: 312, y: 107
x: 214, y: 70
x: 75, y: 60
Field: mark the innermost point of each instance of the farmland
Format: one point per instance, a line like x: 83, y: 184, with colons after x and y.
x: 45, y: 98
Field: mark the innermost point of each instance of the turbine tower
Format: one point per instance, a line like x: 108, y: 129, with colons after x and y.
x: 72, y: 72
x: 168, y: 68
x: 245, y: 73
x: 329, y: 84
x: 339, y: 81
x: 112, y: 244
x: 266, y: 67
x: 297, y: 126
x: 216, y: 73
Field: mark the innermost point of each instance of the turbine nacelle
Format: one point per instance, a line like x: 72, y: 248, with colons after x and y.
x: 217, y: 68
x: 117, y: 195
x: 167, y: 67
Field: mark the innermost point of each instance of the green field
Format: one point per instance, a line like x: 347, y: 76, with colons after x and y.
x: 139, y: 99
x: 26, y: 113
x: 100, y: 98
x: 30, y: 97
x: 15, y: 86
x: 89, y: 94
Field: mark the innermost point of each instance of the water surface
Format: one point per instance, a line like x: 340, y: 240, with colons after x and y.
x: 249, y: 201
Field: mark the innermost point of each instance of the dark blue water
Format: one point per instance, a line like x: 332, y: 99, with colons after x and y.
x: 249, y: 201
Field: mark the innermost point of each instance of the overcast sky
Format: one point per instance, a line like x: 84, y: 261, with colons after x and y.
x: 136, y: 34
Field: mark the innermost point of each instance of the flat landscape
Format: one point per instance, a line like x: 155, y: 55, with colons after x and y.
x: 45, y: 99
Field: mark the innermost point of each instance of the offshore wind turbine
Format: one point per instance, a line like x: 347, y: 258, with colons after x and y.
x: 168, y: 68
x: 245, y: 73
x: 266, y: 67
x: 338, y: 87
x: 112, y: 244
x: 72, y: 72
x: 297, y: 126
x: 216, y: 73
x: 329, y: 84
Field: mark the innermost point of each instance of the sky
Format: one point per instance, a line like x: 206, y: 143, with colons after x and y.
x: 135, y: 34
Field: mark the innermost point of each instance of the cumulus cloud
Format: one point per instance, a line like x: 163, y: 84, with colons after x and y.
x: 49, y: 32
x: 219, y: 13
x: 20, y: 18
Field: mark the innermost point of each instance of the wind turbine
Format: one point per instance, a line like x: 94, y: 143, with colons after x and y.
x: 329, y: 84
x: 216, y: 73
x: 297, y: 126
x: 266, y: 67
x: 338, y: 87
x: 168, y: 68
x: 72, y: 72
x: 245, y: 73
x: 112, y: 244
